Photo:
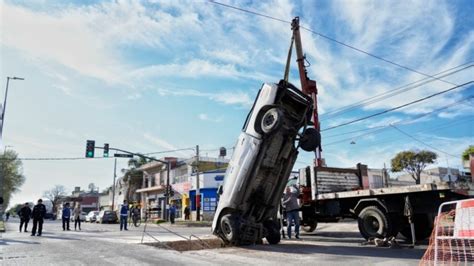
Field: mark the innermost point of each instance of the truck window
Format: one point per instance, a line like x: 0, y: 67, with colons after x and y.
x: 250, y: 113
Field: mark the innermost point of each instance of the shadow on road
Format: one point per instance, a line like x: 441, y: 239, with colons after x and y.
x: 6, y: 241
x: 340, y: 250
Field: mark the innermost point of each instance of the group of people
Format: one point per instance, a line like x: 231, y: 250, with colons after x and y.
x: 37, y: 214
x: 66, y: 216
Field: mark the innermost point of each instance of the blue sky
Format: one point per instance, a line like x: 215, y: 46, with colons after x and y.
x: 163, y: 75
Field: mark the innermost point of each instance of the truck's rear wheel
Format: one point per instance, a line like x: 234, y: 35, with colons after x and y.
x: 310, y: 227
x: 423, y: 228
x: 268, y: 119
x: 230, y: 228
x: 374, y: 223
x: 273, y: 232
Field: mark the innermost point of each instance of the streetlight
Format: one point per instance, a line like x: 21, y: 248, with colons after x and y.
x: 1, y: 131
x: 5, y: 103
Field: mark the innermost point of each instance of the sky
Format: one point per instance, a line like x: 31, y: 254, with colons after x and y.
x: 150, y: 76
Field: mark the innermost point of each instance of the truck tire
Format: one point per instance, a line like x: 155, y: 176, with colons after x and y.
x: 273, y: 232
x: 373, y: 222
x: 310, y: 140
x: 310, y: 227
x: 423, y: 228
x: 230, y: 228
x: 268, y: 119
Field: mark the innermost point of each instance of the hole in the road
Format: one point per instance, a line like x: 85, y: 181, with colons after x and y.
x: 186, y: 245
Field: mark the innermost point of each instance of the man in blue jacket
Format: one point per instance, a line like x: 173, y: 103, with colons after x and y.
x: 123, y: 215
x: 66, y: 217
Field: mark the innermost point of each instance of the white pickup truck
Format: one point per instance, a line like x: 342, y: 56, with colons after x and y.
x: 265, y: 153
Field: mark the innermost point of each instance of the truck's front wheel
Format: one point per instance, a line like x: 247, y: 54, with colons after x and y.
x: 230, y: 228
x: 373, y: 222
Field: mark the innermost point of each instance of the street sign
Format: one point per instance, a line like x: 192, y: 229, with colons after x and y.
x: 123, y: 155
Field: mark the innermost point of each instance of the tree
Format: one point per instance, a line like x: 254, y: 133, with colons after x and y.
x: 54, y: 195
x: 413, y: 162
x: 465, y: 154
x: 12, y: 172
x: 133, y: 177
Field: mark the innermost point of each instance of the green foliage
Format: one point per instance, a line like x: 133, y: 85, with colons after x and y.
x: 469, y: 150
x: 12, y: 171
x: 133, y: 177
x: 413, y: 162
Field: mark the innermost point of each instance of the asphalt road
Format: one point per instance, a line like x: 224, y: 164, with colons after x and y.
x: 97, y: 244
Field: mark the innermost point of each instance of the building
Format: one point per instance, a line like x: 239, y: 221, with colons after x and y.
x: 209, y: 182
x: 433, y: 175
x: 155, y: 176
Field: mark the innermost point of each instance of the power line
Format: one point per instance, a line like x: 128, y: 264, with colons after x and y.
x: 398, y: 107
x: 380, y: 128
x: 331, y: 39
x: 409, y: 120
x: 391, y: 139
x: 424, y: 143
x: 388, y: 94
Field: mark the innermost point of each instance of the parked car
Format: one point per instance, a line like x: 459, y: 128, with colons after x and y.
x: 107, y: 217
x: 82, y: 216
x: 92, y: 216
x: 266, y: 150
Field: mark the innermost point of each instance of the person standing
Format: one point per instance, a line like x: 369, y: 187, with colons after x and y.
x: 187, y: 212
x: 39, y: 211
x: 77, y: 216
x: 290, y: 202
x: 66, y: 217
x: 172, y: 213
x: 123, y: 216
x: 7, y: 216
x: 25, y: 214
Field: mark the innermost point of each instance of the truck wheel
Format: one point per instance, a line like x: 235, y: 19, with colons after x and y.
x: 230, y: 228
x: 373, y: 223
x: 273, y: 232
x: 310, y: 140
x: 423, y: 228
x: 310, y: 227
x: 269, y: 118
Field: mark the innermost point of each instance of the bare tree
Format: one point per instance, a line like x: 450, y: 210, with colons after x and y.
x: 55, y: 194
x: 92, y: 187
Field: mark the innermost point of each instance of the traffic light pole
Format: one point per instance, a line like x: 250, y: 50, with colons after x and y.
x: 168, y: 166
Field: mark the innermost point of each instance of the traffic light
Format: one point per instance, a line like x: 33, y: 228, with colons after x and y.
x: 171, y: 194
x: 90, y: 146
x: 106, y: 150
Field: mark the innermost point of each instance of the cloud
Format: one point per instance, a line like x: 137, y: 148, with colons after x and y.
x: 235, y: 98
x: 134, y: 96
x: 206, y: 117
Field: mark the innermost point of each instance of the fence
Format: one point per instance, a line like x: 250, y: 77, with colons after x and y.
x: 452, y: 239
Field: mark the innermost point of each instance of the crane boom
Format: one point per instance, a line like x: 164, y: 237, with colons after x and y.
x: 308, y: 86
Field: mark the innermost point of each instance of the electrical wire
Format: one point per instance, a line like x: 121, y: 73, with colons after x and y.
x: 409, y: 120
x: 331, y: 39
x: 391, y: 93
x: 422, y: 142
x: 402, y: 122
x: 398, y: 107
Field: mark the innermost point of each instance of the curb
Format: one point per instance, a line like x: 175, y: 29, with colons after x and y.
x: 2, y: 227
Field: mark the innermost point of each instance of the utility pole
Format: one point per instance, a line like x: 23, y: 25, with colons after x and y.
x: 113, y: 184
x: 2, y: 187
x: 167, y: 197
x: 198, y: 192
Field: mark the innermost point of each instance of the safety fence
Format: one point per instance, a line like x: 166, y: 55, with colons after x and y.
x: 452, y: 239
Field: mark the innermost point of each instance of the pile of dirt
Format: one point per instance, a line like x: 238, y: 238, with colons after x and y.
x: 186, y: 245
